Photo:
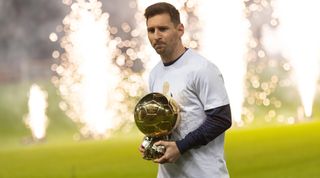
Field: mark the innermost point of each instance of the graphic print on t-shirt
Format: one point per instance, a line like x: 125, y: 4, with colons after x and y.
x: 166, y: 88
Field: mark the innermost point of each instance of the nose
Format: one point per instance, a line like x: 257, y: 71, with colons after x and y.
x: 157, y: 34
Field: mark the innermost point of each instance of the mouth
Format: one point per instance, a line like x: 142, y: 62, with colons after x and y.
x: 158, y: 45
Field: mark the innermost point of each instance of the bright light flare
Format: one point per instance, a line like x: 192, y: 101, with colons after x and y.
x: 224, y: 37
x: 88, y: 78
x: 299, y: 28
x: 37, y: 119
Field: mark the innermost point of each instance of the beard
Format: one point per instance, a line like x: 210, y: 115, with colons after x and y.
x: 160, y: 48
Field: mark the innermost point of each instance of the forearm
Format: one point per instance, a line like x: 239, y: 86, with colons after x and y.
x: 218, y: 120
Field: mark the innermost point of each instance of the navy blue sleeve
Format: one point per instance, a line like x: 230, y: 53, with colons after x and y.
x: 218, y: 121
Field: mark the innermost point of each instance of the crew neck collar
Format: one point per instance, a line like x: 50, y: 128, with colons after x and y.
x: 172, y: 62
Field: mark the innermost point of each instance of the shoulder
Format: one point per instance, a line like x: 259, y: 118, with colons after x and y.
x: 201, y: 65
x: 156, y: 69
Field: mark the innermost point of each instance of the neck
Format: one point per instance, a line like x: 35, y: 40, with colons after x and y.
x: 174, y: 55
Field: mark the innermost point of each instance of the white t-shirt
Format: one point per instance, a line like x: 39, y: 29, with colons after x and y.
x: 196, y: 85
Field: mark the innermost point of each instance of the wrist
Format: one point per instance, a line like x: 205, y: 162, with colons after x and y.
x: 182, y: 146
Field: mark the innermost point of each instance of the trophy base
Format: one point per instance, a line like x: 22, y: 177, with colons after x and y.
x: 152, y: 151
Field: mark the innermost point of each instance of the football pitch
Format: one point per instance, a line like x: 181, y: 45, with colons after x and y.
x: 284, y: 151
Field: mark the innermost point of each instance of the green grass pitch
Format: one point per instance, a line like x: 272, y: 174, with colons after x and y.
x: 278, y: 152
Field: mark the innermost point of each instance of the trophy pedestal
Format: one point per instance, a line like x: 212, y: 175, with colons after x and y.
x: 152, y: 151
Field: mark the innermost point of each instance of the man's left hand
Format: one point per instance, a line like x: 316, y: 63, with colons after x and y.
x: 171, y: 154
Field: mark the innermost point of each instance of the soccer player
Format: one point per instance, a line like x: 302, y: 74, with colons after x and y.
x: 198, y: 87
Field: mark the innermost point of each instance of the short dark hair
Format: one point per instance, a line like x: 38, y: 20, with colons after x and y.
x: 163, y: 8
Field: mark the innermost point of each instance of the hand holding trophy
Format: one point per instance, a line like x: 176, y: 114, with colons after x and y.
x: 156, y: 116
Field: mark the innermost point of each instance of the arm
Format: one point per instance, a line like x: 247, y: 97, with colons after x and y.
x: 218, y: 121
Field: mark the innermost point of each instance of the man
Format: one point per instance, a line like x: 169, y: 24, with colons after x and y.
x: 197, y: 86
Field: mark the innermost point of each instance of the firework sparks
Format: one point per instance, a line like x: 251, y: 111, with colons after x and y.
x: 299, y: 33
x: 224, y: 38
x: 88, y: 77
x: 36, y: 119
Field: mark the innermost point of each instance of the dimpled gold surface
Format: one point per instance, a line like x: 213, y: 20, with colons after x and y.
x: 156, y: 115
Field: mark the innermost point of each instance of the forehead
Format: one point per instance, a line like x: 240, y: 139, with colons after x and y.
x: 159, y: 20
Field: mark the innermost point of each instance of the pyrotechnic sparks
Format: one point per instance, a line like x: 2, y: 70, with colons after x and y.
x: 88, y: 77
x: 224, y: 38
x: 299, y: 33
x: 97, y: 95
x: 37, y: 119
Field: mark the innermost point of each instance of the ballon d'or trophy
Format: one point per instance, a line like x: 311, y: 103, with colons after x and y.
x: 156, y: 116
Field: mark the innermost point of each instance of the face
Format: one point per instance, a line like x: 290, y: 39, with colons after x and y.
x: 163, y: 35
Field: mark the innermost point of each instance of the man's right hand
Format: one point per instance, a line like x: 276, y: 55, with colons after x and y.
x: 142, y: 150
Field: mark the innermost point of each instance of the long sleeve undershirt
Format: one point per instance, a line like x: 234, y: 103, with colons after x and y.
x: 218, y: 120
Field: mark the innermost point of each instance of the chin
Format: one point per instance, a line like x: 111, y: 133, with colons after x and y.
x: 160, y: 51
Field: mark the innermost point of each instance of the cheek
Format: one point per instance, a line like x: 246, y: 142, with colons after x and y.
x: 172, y: 39
x: 150, y: 37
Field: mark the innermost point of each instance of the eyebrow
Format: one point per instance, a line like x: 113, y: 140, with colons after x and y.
x: 160, y: 26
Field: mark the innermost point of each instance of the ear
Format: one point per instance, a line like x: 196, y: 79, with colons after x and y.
x: 180, y: 29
